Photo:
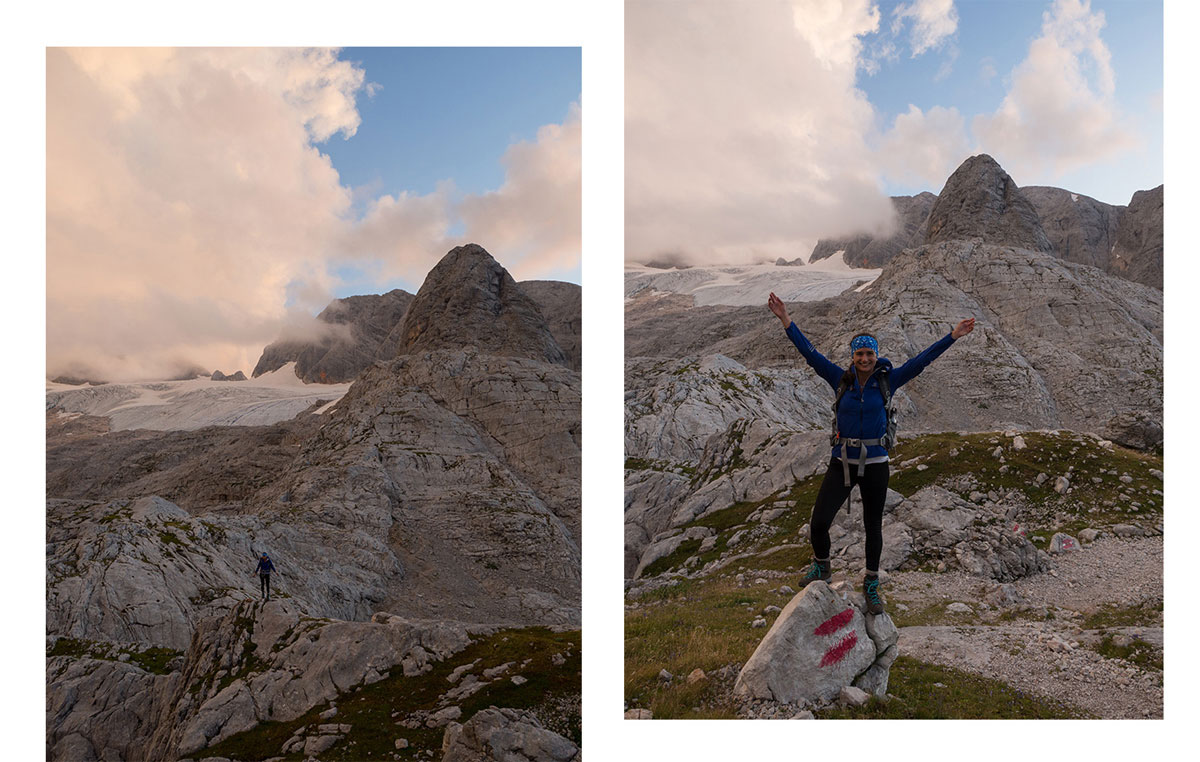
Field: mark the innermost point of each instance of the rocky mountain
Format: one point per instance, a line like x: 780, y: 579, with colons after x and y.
x: 353, y: 329
x: 432, y: 512
x: 354, y: 332
x: 980, y: 200
x: 1138, y: 252
x: 990, y: 206
x: 1057, y: 345
x: 869, y: 251
x: 474, y: 302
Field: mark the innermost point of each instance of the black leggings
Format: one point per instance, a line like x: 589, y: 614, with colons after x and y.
x: 873, y: 486
x: 265, y: 584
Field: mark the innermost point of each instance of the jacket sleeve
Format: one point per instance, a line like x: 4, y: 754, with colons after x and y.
x: 821, y: 364
x: 911, y: 369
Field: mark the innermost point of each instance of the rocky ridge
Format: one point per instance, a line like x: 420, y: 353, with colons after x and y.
x: 442, y: 489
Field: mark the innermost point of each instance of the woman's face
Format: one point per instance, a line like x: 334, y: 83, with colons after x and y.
x: 864, y: 359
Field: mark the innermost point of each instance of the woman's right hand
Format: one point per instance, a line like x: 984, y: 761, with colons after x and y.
x: 775, y: 304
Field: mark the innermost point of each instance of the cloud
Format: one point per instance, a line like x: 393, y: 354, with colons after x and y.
x: 1059, y: 113
x: 532, y: 223
x: 987, y: 69
x: 744, y: 131
x: 924, y: 148
x: 184, y: 194
x: 933, y: 21
x: 191, y: 214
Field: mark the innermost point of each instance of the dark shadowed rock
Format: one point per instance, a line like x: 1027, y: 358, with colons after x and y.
x: 1080, y: 228
x: 871, y: 251
x: 348, y: 336
x: 797, y: 262
x: 1138, y: 254
x: 561, y: 304
x: 980, y: 200
x: 219, y: 376
x: 468, y: 299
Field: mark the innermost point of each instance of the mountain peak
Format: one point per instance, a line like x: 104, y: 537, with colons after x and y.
x: 468, y: 298
x: 980, y: 200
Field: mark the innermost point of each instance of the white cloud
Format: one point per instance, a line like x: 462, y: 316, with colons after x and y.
x: 1059, y: 113
x: 184, y: 195
x: 190, y: 212
x: 532, y: 223
x: 744, y: 130
x: 924, y: 147
x: 933, y: 21
x: 987, y: 69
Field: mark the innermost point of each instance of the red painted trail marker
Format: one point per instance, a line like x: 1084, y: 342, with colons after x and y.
x: 832, y: 625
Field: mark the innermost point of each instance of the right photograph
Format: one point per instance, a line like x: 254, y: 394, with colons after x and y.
x: 893, y: 360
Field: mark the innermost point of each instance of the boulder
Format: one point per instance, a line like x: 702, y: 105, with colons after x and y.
x: 820, y: 643
x: 505, y: 734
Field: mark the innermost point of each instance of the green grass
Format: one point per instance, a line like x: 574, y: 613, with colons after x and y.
x: 369, y: 708
x: 1139, y: 653
x: 153, y: 660
x: 1111, y: 615
x: 682, y: 635
x: 961, y: 695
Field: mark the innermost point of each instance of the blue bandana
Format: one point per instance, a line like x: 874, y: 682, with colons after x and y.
x: 861, y: 342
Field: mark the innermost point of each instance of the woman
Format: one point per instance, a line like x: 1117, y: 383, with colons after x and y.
x: 860, y: 439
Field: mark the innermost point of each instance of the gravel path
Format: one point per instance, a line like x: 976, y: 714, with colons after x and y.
x: 1049, y: 656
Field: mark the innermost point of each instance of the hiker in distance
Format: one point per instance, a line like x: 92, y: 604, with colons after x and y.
x: 864, y: 429
x: 263, y: 570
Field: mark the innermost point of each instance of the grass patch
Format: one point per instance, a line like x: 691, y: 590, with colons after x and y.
x: 929, y: 692
x: 1110, y: 615
x: 679, y: 636
x: 1138, y: 653
x: 369, y: 709
x: 152, y: 660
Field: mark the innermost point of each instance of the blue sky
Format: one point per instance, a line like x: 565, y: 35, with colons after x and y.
x: 994, y: 37
x: 432, y: 116
x: 449, y: 113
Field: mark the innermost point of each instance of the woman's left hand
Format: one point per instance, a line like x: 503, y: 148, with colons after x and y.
x: 963, y: 328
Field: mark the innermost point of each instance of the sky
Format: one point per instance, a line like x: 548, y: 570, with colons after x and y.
x: 202, y: 202
x: 752, y: 130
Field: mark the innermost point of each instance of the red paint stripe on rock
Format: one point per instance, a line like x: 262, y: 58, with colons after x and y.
x: 838, y: 652
x: 834, y: 623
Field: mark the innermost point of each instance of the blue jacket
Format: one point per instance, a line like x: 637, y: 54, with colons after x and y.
x: 265, y: 566
x: 861, y: 414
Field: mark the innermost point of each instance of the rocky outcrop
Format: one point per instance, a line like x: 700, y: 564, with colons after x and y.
x: 1080, y: 228
x: 562, y: 306
x: 1138, y: 251
x: 980, y: 200
x: 820, y: 643
x: 345, y: 339
x: 867, y: 250
x: 468, y: 299
x: 494, y: 734
x: 219, y: 376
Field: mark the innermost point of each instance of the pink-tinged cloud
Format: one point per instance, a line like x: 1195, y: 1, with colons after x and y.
x: 192, y: 218
x: 532, y: 223
x: 744, y: 131
x: 1060, y: 113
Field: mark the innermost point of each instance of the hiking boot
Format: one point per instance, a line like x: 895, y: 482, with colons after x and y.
x: 818, y: 571
x: 871, y: 593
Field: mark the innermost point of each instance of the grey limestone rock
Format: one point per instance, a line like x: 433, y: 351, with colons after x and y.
x: 343, y: 340
x: 819, y: 644
x: 1138, y: 251
x: 468, y: 299
x: 980, y: 200
x: 505, y: 734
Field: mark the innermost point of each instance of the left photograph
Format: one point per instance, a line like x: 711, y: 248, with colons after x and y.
x: 313, y: 434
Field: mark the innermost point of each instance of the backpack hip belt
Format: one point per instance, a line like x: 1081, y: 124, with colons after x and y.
x: 862, y: 445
